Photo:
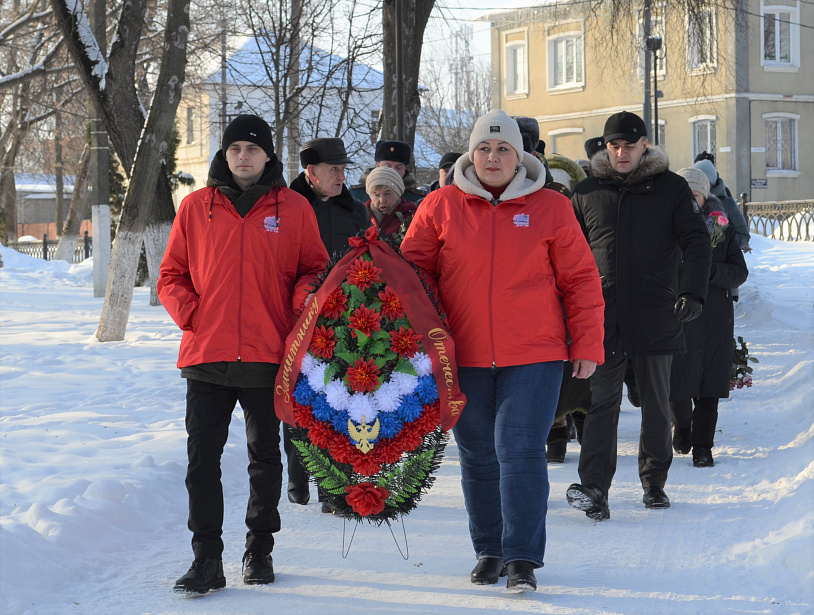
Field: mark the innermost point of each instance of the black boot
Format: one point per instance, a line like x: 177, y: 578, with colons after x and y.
x: 654, y: 497
x: 702, y: 457
x: 682, y: 438
x: 590, y: 500
x: 204, y: 575
x: 487, y: 571
x: 555, y: 451
x: 258, y: 568
x: 521, y: 576
x: 298, y: 495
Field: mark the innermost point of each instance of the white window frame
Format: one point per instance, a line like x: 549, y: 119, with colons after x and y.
x: 775, y: 171
x: 794, y: 37
x: 658, y: 18
x: 703, y: 119
x: 693, y: 65
x: 552, y: 43
x: 662, y: 133
x: 191, y: 117
x: 511, y: 89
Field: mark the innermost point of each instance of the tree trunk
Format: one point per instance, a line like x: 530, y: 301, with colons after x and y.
x: 158, y: 234
x: 147, y: 171
x: 77, y: 211
x: 416, y: 15
x: 8, y: 187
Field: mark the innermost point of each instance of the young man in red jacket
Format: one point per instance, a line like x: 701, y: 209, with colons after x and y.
x: 240, y: 258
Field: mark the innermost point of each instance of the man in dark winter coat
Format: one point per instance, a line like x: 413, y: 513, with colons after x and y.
x: 339, y: 216
x: 322, y: 182
x: 241, y: 256
x: 640, y: 219
x: 395, y: 155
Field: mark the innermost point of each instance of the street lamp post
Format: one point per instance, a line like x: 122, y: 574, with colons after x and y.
x: 654, y: 45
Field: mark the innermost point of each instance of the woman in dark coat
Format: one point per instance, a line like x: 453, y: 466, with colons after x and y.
x: 700, y: 377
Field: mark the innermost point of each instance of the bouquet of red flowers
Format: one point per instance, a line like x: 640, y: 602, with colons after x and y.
x: 741, y: 370
x: 369, y: 379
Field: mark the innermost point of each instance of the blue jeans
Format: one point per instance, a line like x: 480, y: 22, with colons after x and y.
x: 501, y: 438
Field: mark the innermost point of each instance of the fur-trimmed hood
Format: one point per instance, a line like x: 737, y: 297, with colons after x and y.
x: 529, y: 178
x: 654, y: 161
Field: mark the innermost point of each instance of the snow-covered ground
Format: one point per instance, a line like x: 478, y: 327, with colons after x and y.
x: 93, y: 504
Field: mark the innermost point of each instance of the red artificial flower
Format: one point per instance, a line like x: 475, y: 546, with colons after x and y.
x: 363, y: 273
x: 365, y: 320
x: 320, y: 434
x: 404, y: 342
x: 303, y: 416
x: 391, y: 304
x: 363, y: 376
x: 341, y: 449
x: 323, y: 342
x: 335, y: 304
x: 367, y: 465
x: 430, y: 418
x: 366, y: 499
x: 388, y: 450
x: 410, y: 437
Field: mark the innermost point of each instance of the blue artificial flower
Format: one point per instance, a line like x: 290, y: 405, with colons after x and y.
x: 303, y: 393
x: 390, y: 425
x: 321, y: 408
x: 339, y: 421
x: 410, y: 408
x: 426, y: 390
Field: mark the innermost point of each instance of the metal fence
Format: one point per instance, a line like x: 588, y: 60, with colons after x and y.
x: 46, y: 248
x: 789, y: 220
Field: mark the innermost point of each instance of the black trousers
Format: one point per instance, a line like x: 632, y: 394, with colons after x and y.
x: 704, y: 418
x: 209, y: 412
x: 597, y: 460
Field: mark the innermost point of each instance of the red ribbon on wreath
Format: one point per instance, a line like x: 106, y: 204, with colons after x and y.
x: 402, y: 278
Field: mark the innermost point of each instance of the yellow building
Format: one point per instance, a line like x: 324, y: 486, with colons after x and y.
x: 736, y: 82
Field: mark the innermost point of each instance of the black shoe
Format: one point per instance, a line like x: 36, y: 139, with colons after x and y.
x: 204, y: 575
x: 487, y: 571
x: 298, y: 497
x: 702, y: 457
x: 258, y: 568
x: 555, y: 451
x: 654, y: 497
x: 521, y: 576
x: 590, y: 500
x: 328, y: 508
x: 682, y: 439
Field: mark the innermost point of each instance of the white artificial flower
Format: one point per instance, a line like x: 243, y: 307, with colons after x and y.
x: 422, y: 364
x: 337, y: 395
x: 316, y: 377
x: 405, y: 382
x: 361, y: 409
x: 308, y: 361
x: 387, y: 398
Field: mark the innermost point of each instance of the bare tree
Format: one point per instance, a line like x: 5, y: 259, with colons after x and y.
x: 140, y: 142
x: 78, y: 210
x: 416, y: 14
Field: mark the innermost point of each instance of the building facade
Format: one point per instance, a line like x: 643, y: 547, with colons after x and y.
x: 733, y: 80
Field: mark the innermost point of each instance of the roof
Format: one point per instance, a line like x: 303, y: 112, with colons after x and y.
x: 248, y: 67
x: 41, y: 182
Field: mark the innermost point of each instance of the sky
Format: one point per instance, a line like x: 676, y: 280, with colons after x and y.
x: 93, y: 506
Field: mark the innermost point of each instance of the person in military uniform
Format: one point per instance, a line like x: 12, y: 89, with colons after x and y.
x: 395, y: 155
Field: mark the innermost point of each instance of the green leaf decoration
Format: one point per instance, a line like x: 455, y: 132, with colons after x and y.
x: 330, y: 372
x: 378, y: 348
x: 340, y: 333
x: 348, y: 357
x: 361, y: 339
x: 334, y: 480
x: 357, y: 297
x: 380, y: 336
x: 405, y: 367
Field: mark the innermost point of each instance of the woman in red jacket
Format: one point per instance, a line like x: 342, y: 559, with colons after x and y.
x: 522, y: 294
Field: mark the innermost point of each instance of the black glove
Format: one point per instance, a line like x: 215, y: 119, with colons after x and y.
x: 687, y: 308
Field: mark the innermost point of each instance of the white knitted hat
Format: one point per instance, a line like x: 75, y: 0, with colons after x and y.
x: 385, y: 176
x: 697, y: 180
x: 496, y: 124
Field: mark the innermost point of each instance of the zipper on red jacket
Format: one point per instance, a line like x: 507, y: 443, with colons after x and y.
x: 491, y: 283
x: 240, y: 291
